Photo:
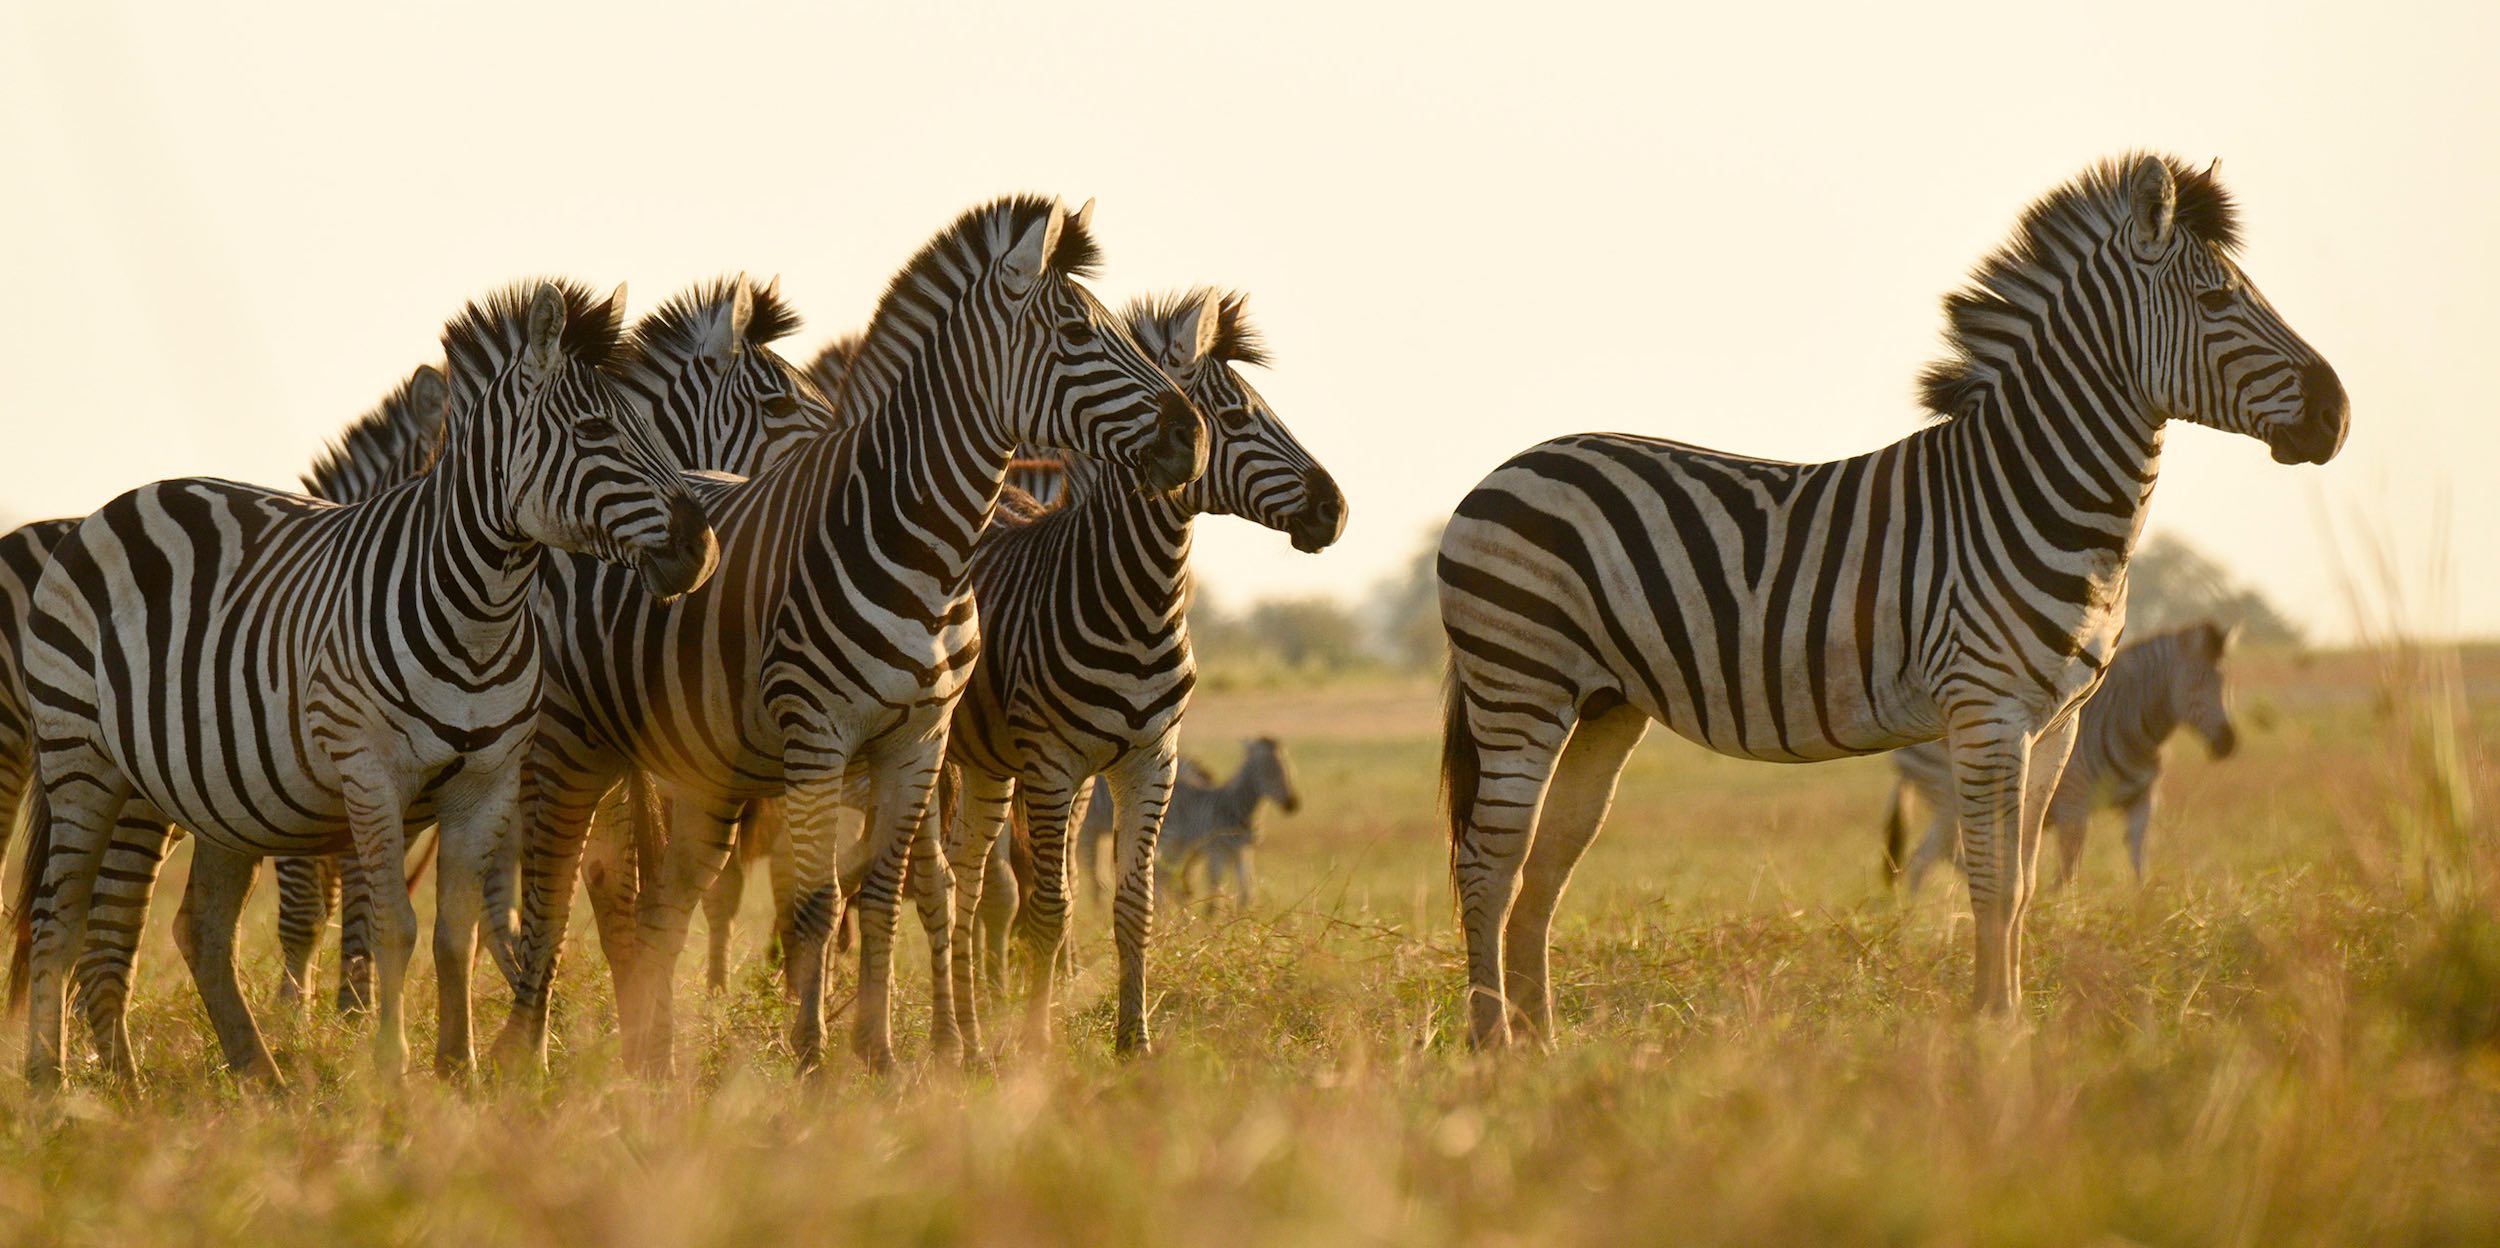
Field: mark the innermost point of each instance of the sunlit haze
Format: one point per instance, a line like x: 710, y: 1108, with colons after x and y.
x: 228, y: 232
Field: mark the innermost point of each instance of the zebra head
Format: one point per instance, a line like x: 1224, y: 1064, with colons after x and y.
x: 1071, y: 376
x: 2210, y: 349
x: 1269, y: 773
x: 583, y: 469
x: 2198, y: 695
x: 718, y: 394
x: 1255, y: 467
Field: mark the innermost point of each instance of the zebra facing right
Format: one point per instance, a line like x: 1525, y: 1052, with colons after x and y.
x: 1968, y: 581
x: 2156, y: 686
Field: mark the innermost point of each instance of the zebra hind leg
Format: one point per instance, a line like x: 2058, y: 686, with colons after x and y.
x: 1576, y: 802
x: 1497, y: 756
x: 70, y: 827
x: 212, y: 911
x: 307, y: 895
x: 720, y: 911
x: 1141, y: 794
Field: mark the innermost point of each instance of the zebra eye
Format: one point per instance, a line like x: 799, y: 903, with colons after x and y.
x: 1234, y: 418
x: 781, y: 407
x: 1074, y: 334
x: 596, y: 428
x: 2219, y: 299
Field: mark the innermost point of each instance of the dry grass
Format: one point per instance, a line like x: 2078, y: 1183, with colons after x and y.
x: 2289, y: 1036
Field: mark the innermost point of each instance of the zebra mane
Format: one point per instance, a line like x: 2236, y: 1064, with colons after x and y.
x: 1151, y: 319
x: 397, y: 440
x: 941, y: 273
x: 680, y: 328
x: 487, y: 334
x: 833, y: 363
x: 2050, y: 238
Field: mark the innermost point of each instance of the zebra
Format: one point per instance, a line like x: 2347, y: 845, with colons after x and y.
x: 719, y: 401
x: 381, y: 447
x: 2155, y: 686
x: 1095, y: 831
x: 1087, y: 668
x: 841, y: 628
x: 1968, y: 581
x: 1217, y: 825
x: 282, y: 676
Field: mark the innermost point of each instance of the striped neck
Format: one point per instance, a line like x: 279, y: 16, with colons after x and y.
x: 469, y: 567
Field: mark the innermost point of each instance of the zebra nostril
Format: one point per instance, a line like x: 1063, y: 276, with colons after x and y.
x: 686, y: 521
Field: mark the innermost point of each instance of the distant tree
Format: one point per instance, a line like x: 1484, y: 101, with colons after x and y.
x: 1405, y: 610
x: 1307, y: 632
x: 2170, y: 583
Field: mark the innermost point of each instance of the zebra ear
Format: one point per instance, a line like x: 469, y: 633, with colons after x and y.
x: 1191, y: 335
x: 2152, y: 204
x: 429, y: 396
x: 2223, y: 637
x: 730, y: 336
x: 1022, y: 266
x: 545, y: 353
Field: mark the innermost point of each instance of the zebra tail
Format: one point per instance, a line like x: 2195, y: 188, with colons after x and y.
x: 1896, y: 835
x: 29, y: 878
x: 1459, y: 763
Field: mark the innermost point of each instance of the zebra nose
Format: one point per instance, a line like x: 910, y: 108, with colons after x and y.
x: 1176, y: 450
x: 1322, y: 520
x: 2325, y: 417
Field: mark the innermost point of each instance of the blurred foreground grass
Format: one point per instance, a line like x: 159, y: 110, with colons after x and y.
x: 2291, y: 1035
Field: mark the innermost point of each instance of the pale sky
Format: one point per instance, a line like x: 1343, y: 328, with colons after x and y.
x: 224, y: 234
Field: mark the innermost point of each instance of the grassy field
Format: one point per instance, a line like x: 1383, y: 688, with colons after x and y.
x: 2291, y: 1034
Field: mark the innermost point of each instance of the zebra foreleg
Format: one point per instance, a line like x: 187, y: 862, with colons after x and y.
x: 1944, y: 836
x: 1042, y: 920
x: 356, y: 988
x: 1141, y: 791
x: 2139, y: 823
x: 212, y: 912
x: 720, y: 906
x: 695, y: 845
x: 1576, y: 801
x: 308, y: 893
x: 981, y: 809
x: 474, y: 820
x: 563, y: 797
x: 375, y: 814
x: 625, y: 837
x: 117, y: 915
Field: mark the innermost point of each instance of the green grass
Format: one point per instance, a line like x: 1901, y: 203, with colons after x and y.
x: 2291, y: 1034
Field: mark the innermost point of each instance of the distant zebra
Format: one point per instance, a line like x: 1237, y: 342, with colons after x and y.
x: 841, y: 628
x: 1213, y: 827
x: 2155, y: 686
x: 1968, y: 581
x: 284, y: 676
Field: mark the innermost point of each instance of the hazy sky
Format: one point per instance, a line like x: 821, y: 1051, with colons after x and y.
x: 1462, y: 231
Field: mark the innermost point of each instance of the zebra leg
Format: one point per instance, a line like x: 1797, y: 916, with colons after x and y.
x: 117, y: 916
x: 903, y: 779
x: 475, y: 815
x: 1944, y: 835
x: 932, y: 882
x: 70, y: 827
x: 356, y: 988
x: 1988, y: 762
x: 781, y: 871
x: 563, y: 794
x: 1576, y: 802
x: 1042, y: 920
x: 2139, y: 822
x: 720, y: 909
x: 2069, y: 847
x: 696, y: 846
x: 308, y: 891
x: 1001, y: 897
x: 376, y: 816
x: 1498, y: 752
x: 625, y: 836
x: 211, y: 914
x: 981, y: 809
x: 1141, y: 791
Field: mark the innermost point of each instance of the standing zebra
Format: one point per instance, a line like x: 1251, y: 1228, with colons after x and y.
x: 841, y: 628
x: 2155, y: 686
x: 699, y: 371
x: 285, y: 676
x: 1968, y: 581
x: 1087, y: 668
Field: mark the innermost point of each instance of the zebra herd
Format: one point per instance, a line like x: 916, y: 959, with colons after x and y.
x: 602, y: 602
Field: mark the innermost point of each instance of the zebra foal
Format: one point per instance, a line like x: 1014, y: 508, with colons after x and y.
x: 2155, y: 687
x: 283, y: 676
x: 1968, y: 581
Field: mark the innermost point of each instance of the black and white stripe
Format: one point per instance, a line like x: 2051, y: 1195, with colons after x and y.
x: 840, y: 630
x: 1966, y: 582
x: 285, y: 676
x: 2155, y: 687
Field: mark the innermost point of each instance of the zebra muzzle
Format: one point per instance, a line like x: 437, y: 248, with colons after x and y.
x: 1176, y: 452
x: 1322, y: 518
x: 684, y: 559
